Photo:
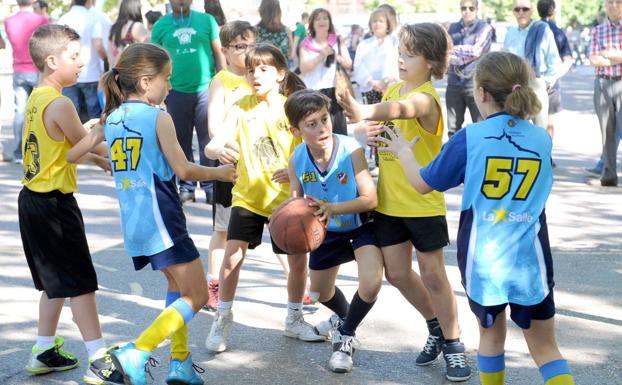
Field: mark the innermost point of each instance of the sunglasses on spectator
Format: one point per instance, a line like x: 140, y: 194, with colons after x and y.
x: 242, y: 47
x: 463, y: 9
x: 522, y: 9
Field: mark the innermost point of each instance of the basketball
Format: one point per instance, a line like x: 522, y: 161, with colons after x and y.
x: 294, y: 228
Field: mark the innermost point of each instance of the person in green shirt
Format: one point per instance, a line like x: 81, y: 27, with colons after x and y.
x: 191, y: 39
x: 301, y: 30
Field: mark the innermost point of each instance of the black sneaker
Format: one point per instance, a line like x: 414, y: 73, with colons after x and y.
x: 456, y: 364
x: 53, y: 359
x: 102, y: 372
x: 432, y: 348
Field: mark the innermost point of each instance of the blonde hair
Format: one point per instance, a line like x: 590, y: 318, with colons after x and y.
x: 387, y: 17
x: 508, y: 79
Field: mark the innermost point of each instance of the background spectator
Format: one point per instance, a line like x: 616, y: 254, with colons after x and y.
x: 128, y: 29
x: 152, y: 16
x: 271, y: 30
x: 213, y: 8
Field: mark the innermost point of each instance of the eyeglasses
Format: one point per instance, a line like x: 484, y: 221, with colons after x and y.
x: 242, y: 47
x: 521, y: 9
x: 464, y: 9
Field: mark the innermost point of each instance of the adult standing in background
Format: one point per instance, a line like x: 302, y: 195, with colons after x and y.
x: 191, y: 38
x: 83, y: 94
x: 128, y: 29
x: 19, y: 28
x: 214, y: 8
x: 376, y: 59
x: 605, y: 53
x: 546, y: 11
x: 320, y: 53
x: 534, y: 41
x: 271, y: 30
x: 300, y: 33
x: 41, y: 7
x: 472, y: 37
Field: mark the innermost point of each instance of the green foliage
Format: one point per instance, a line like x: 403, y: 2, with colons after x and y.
x: 58, y: 7
x: 109, y: 5
x: 583, y: 11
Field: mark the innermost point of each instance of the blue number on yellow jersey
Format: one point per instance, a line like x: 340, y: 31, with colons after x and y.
x: 503, y: 248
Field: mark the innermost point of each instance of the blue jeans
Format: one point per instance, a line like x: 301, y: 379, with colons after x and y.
x: 23, y: 84
x: 84, y: 98
x: 189, y: 113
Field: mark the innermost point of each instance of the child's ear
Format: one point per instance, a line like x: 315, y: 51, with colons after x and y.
x: 295, y: 131
x: 281, y: 75
x: 51, y: 62
x: 143, y: 83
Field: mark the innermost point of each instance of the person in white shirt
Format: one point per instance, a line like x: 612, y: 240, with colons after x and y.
x: 84, y: 93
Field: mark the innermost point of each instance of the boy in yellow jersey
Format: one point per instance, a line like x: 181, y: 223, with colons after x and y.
x: 50, y: 221
x: 404, y: 218
x: 260, y: 142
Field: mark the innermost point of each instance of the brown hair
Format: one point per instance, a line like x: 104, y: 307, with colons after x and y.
x: 136, y: 61
x: 304, y: 102
x: 50, y: 39
x: 270, y: 14
x: 430, y: 41
x: 233, y: 29
x: 508, y: 79
x: 384, y: 13
x: 314, y: 15
x: 265, y: 53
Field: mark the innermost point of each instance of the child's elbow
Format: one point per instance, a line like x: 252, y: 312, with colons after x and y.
x: 372, y: 202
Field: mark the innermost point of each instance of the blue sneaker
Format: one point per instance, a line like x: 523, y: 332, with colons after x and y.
x: 183, y: 373
x: 131, y: 363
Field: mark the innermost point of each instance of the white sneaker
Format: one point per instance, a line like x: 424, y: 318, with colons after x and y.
x: 326, y: 327
x: 343, y: 351
x: 297, y: 327
x: 217, y: 339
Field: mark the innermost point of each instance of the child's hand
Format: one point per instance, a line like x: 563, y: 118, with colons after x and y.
x: 368, y: 131
x: 102, y: 163
x: 325, y: 209
x: 228, y: 156
x: 280, y: 176
x: 90, y: 124
x: 352, y: 109
x: 226, y: 173
x: 396, y: 143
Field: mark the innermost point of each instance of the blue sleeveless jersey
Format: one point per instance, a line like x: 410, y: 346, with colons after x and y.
x: 336, y: 184
x: 151, y: 213
x: 503, y: 248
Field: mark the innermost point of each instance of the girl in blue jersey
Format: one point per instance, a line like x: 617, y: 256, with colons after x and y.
x: 332, y: 170
x: 145, y: 158
x: 503, y: 248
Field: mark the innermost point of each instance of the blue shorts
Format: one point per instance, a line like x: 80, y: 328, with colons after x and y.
x: 520, y: 314
x: 338, y: 247
x: 182, y: 251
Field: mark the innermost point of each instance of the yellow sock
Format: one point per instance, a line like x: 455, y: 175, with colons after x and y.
x: 562, y: 379
x: 173, y: 318
x: 556, y: 373
x: 496, y: 378
x: 179, y: 344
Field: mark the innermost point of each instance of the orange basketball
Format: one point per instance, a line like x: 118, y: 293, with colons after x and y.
x: 294, y: 228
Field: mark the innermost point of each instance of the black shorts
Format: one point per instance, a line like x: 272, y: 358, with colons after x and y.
x: 520, y: 314
x: 246, y: 226
x: 425, y: 233
x: 55, y: 245
x: 338, y: 248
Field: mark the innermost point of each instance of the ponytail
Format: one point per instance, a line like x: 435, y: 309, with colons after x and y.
x: 291, y: 83
x: 509, y: 80
x: 112, y: 92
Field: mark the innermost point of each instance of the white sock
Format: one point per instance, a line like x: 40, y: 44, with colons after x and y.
x: 224, y: 307
x: 44, y: 342
x: 293, y: 308
x: 95, y: 348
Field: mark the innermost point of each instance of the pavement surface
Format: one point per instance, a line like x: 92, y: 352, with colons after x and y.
x: 585, y: 225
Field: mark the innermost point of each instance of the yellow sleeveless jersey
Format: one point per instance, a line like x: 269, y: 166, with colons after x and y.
x: 266, y: 144
x: 45, y: 167
x: 396, y: 196
x: 235, y: 87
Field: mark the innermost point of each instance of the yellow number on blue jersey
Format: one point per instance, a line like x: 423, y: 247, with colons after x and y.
x: 118, y: 153
x: 499, y: 174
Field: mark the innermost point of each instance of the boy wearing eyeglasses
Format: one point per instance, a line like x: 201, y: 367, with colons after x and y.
x: 227, y: 87
x: 472, y: 38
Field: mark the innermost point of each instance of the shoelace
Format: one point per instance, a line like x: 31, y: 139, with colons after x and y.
x: 348, y: 344
x: 430, y: 344
x: 153, y: 363
x: 456, y: 360
x: 64, y: 353
x: 197, y: 368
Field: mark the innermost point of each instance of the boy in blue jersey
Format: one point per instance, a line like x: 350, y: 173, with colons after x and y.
x: 332, y: 170
x: 503, y: 248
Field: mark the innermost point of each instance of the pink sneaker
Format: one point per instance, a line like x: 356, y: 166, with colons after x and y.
x: 212, y: 300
